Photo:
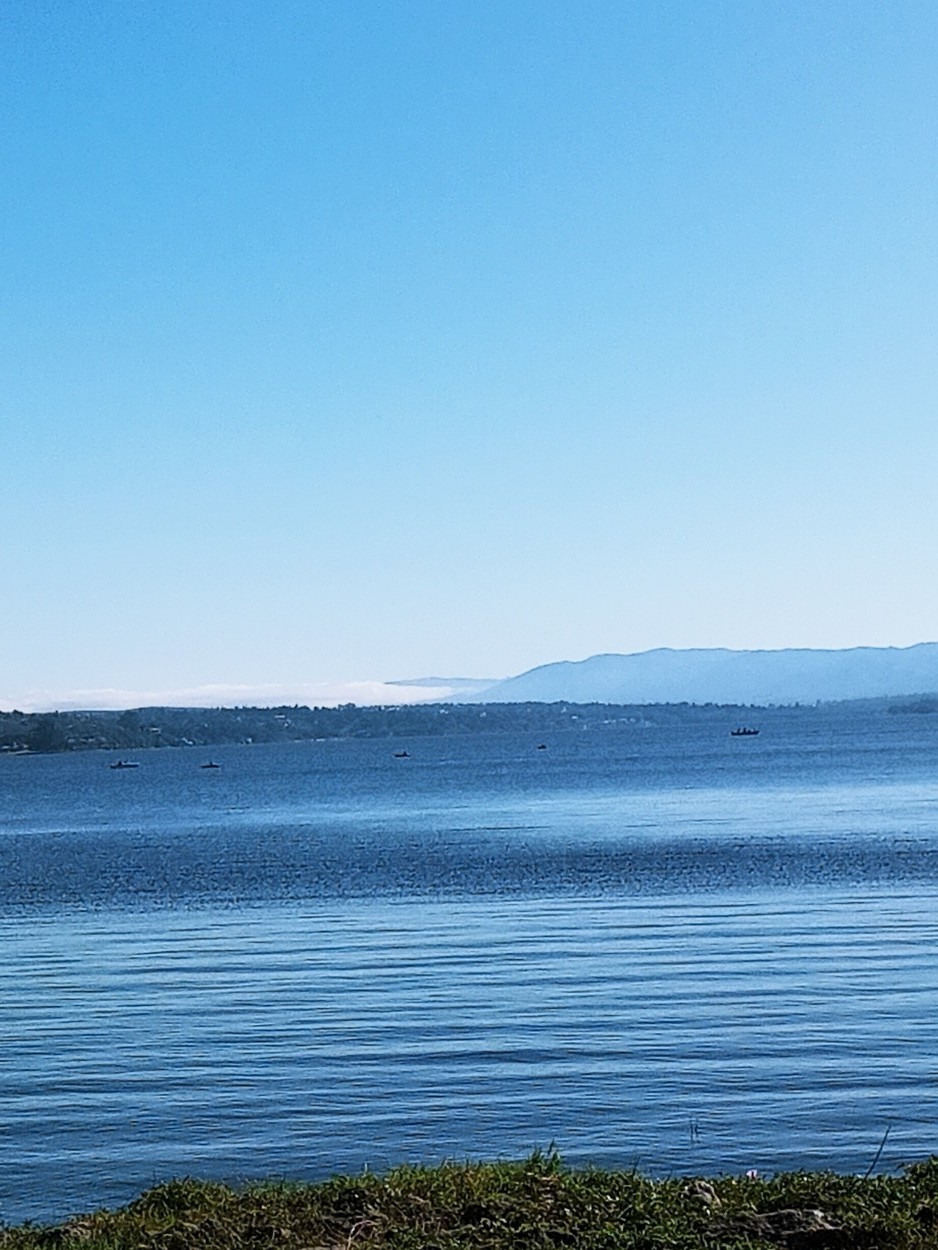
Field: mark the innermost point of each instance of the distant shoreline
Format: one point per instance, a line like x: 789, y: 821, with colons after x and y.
x: 33, y: 733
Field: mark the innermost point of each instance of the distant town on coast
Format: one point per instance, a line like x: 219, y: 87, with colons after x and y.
x: 32, y: 733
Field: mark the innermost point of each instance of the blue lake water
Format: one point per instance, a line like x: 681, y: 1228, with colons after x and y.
x: 651, y: 945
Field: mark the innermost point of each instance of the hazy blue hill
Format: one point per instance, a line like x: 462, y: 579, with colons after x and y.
x: 454, y: 687
x: 719, y: 675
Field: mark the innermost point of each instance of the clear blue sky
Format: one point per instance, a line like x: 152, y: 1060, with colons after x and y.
x: 373, y: 340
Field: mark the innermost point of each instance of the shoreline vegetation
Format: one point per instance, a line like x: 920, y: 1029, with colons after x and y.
x: 534, y: 1204
x: 31, y: 733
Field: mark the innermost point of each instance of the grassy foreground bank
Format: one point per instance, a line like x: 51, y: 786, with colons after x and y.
x: 536, y: 1203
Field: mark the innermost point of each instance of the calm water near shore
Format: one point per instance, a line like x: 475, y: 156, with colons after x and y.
x: 652, y: 946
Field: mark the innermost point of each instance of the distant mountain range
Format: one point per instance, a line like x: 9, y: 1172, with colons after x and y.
x: 718, y: 675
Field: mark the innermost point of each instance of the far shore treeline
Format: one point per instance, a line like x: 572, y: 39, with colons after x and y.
x: 44, y: 732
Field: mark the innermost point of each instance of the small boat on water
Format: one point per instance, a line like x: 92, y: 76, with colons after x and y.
x: 744, y: 731
x: 211, y: 764
x: 402, y: 755
x: 126, y: 764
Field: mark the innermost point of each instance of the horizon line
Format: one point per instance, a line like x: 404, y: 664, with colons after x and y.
x: 363, y: 693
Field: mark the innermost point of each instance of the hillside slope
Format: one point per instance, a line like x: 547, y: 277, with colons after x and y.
x: 719, y: 675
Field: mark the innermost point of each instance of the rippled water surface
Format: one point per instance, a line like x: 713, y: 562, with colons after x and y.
x: 668, y: 949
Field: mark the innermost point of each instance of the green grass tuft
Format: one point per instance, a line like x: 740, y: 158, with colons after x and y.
x: 534, y: 1204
